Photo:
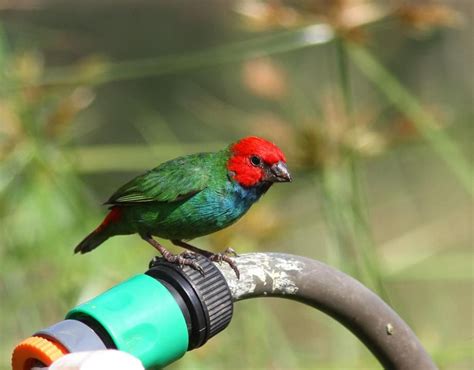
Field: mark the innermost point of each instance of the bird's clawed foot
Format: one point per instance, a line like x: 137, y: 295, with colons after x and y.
x: 231, y: 252
x: 224, y: 257
x: 186, y: 258
x: 217, y: 257
x: 188, y: 254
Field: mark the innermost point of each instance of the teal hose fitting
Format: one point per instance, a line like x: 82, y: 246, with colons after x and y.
x: 157, y: 334
x: 156, y: 316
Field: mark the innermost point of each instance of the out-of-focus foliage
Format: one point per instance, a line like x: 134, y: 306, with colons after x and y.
x: 370, y: 100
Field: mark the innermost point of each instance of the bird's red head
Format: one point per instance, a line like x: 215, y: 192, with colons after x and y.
x: 255, y: 160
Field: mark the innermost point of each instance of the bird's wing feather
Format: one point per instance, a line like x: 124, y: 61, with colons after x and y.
x: 175, y: 180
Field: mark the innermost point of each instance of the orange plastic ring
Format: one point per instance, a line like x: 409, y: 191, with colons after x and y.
x: 34, y: 349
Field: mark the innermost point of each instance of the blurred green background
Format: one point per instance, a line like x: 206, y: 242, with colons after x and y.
x: 372, y: 101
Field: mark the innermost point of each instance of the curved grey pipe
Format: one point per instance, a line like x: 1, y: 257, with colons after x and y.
x: 345, y: 299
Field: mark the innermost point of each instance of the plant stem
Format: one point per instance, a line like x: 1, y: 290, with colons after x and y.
x: 279, y: 43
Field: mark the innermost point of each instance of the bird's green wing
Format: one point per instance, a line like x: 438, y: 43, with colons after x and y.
x: 175, y: 180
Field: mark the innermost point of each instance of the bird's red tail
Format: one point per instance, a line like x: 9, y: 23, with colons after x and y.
x: 100, y: 234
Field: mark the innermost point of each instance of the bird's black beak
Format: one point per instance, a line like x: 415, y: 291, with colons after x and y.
x: 278, y: 173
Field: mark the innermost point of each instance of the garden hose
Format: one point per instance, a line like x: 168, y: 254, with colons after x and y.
x: 159, y: 315
x: 156, y: 316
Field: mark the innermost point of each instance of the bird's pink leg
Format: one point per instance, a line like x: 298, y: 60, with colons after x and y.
x: 218, y: 257
x: 180, y: 259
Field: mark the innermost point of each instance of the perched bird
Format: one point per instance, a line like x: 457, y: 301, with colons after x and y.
x: 192, y: 196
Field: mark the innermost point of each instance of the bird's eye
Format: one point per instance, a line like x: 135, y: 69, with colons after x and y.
x: 256, y: 161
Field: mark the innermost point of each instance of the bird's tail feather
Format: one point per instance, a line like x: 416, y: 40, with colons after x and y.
x: 101, y: 234
x: 91, y: 241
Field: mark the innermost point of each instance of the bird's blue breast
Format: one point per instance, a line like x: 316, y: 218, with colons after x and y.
x: 220, y: 207
x: 238, y: 199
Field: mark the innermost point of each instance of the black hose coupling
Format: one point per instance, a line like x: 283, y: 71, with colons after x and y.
x: 204, y: 298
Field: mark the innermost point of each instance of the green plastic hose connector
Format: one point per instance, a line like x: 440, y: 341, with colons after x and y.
x: 157, y: 334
